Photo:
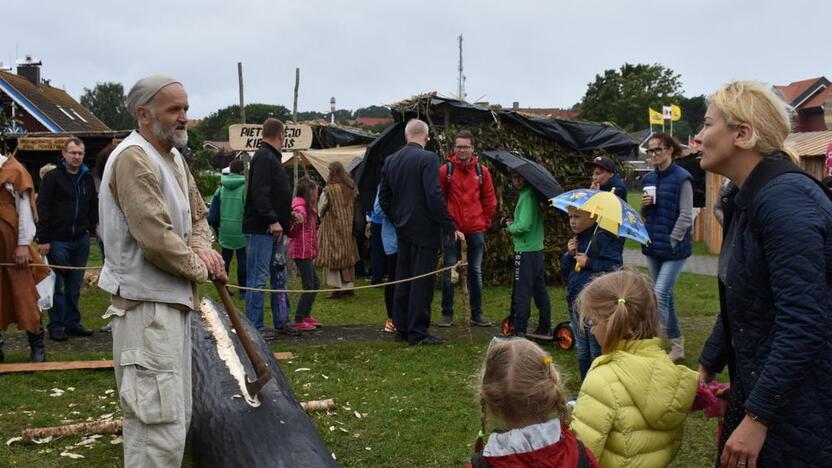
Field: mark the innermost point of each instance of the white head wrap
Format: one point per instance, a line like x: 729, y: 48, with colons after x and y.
x: 143, y: 91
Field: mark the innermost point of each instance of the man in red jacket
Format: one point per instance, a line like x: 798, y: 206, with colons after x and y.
x: 469, y: 195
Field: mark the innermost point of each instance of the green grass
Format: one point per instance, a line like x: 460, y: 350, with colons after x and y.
x: 634, y: 199
x: 416, y: 404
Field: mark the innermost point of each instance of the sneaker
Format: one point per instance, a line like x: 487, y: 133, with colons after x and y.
x: 446, y: 321
x: 304, y: 326
x: 480, y: 321
x: 389, y: 327
x: 268, y: 334
x: 288, y: 329
x: 313, y: 321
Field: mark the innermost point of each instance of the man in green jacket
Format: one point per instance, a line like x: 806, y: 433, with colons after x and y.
x: 526, y: 231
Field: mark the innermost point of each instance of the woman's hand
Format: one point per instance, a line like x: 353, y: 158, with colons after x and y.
x: 743, y: 447
x: 21, y: 255
x: 705, y: 376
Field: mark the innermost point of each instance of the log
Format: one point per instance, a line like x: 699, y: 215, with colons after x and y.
x: 109, y: 426
x: 228, y: 427
x: 317, y: 405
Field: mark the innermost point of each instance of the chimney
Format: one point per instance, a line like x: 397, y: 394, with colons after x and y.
x: 29, y: 68
x: 515, y: 105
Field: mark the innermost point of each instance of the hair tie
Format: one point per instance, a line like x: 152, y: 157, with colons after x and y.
x: 621, y: 300
x: 547, y: 360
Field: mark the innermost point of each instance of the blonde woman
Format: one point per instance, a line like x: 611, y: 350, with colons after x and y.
x: 774, y: 332
x: 338, y: 252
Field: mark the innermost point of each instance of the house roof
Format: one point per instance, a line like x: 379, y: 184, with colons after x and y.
x: 52, y: 107
x: 809, y: 143
x: 805, y: 94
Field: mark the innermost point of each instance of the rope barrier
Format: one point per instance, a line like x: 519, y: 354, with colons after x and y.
x: 244, y: 288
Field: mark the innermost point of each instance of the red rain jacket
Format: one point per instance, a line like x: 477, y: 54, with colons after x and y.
x: 472, y: 205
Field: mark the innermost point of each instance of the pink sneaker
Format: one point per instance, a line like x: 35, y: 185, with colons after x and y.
x: 313, y: 321
x: 304, y: 326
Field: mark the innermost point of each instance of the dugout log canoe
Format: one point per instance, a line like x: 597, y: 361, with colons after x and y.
x: 229, y: 427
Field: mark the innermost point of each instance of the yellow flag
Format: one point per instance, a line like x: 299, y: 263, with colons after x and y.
x: 676, y: 112
x: 656, y: 118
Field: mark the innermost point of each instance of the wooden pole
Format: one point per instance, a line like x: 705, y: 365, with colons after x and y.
x: 109, y: 426
x: 466, y: 297
x: 242, y: 100
x: 295, y: 120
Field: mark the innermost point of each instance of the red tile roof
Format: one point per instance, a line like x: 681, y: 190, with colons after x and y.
x: 805, y: 93
x: 70, y: 116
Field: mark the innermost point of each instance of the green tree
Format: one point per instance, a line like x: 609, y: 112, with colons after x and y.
x: 623, y: 96
x: 215, y: 126
x: 108, y: 102
x: 372, y: 111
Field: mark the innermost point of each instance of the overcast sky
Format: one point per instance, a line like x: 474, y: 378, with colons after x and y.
x: 540, y: 53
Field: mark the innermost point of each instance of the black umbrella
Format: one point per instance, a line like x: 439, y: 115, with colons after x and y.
x: 536, y: 175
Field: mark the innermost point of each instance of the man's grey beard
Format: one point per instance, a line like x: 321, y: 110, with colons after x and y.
x: 168, y: 135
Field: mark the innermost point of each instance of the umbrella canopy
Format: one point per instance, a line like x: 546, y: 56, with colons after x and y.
x: 610, y: 212
x: 536, y: 175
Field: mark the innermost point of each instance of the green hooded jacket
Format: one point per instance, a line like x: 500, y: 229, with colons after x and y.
x: 527, y: 228
x: 232, y: 204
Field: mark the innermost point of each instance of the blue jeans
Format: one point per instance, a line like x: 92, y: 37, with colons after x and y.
x: 664, y: 274
x: 586, y: 346
x: 476, y: 247
x: 65, y: 314
x: 259, y: 268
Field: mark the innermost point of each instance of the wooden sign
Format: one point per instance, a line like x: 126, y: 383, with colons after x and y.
x: 247, y: 137
x: 41, y: 143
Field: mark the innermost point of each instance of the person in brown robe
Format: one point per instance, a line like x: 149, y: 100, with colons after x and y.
x: 18, y: 294
x: 337, y: 250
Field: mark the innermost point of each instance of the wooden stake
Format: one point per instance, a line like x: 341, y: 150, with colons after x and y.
x: 466, y: 297
x: 79, y: 365
x: 295, y: 120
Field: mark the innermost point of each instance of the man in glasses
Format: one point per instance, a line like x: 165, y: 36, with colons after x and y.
x: 472, y: 203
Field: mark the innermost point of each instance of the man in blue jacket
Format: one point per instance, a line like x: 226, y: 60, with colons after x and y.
x: 68, y: 213
x: 411, y: 198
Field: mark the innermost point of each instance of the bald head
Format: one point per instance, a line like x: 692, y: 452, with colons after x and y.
x: 416, y: 131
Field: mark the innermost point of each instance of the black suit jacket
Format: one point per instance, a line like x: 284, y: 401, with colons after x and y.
x: 411, y: 198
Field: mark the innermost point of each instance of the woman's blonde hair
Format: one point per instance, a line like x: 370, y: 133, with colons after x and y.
x: 520, y: 381
x: 625, y: 301
x: 755, y: 104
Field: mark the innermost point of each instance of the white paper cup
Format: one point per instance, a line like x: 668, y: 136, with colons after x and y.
x: 650, y: 190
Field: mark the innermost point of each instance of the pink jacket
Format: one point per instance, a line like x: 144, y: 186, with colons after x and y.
x: 303, y: 238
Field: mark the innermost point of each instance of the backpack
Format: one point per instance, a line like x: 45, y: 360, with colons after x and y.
x: 450, y: 166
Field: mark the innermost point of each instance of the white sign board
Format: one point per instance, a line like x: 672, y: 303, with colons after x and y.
x: 247, y: 137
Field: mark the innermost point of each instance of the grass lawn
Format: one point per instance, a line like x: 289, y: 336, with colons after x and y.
x: 416, y: 404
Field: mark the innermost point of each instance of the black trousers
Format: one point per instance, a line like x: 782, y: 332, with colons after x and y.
x: 411, y: 313
x: 529, y: 283
x: 390, y: 289
x: 309, y: 279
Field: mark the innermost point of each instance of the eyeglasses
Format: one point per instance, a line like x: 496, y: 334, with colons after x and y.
x: 463, y: 147
x: 655, y: 151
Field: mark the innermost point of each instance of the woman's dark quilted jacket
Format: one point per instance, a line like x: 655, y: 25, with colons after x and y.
x: 777, y: 299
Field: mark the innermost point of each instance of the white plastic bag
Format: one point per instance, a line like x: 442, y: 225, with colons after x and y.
x: 46, y: 289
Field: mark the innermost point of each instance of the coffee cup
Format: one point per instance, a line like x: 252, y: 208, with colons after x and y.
x: 650, y: 191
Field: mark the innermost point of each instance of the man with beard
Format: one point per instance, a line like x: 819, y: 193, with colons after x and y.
x: 158, y: 246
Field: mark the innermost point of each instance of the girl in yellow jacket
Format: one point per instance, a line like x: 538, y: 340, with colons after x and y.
x: 632, y: 406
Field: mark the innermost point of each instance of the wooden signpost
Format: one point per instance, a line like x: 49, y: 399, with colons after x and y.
x: 248, y: 137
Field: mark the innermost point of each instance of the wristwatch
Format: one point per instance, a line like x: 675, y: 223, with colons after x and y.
x: 756, y: 418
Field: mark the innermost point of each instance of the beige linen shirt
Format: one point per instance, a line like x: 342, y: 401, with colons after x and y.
x: 137, y: 192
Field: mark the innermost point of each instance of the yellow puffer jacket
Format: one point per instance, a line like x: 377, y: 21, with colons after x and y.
x: 632, y: 406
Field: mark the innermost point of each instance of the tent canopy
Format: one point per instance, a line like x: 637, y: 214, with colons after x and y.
x: 320, y: 159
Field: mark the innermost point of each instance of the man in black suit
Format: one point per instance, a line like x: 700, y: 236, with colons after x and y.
x: 411, y: 198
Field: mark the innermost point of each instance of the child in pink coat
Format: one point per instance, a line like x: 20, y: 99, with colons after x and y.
x: 303, y: 248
